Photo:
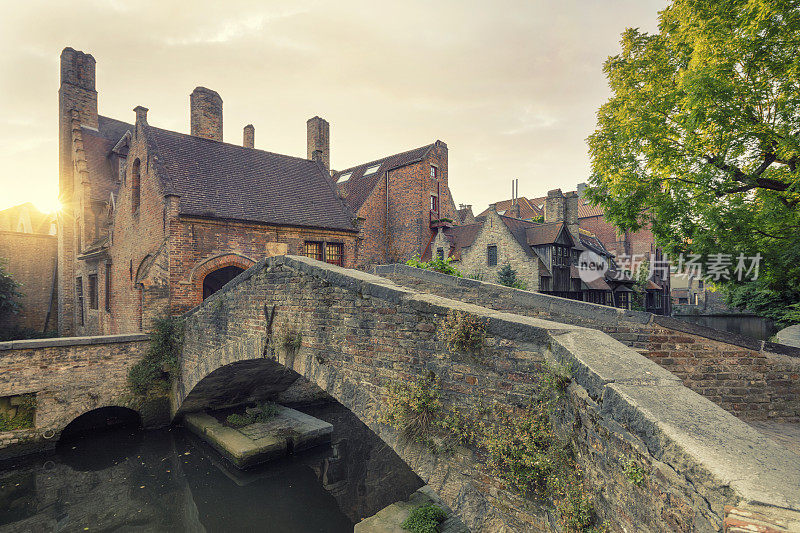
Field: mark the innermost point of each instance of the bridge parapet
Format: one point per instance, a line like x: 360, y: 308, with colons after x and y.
x: 354, y: 334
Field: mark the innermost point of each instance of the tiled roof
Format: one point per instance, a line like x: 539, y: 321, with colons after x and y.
x: 464, y: 214
x: 98, y: 145
x: 519, y: 229
x: 538, y: 234
x: 221, y: 180
x: 355, y: 187
x: 584, y: 208
x: 461, y: 237
x: 527, y: 210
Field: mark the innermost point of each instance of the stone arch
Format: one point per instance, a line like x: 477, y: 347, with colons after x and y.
x: 101, y: 417
x: 202, y: 269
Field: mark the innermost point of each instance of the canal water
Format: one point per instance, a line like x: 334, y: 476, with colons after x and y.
x: 168, y: 480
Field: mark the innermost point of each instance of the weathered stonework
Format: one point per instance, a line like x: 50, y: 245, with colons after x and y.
x: 70, y: 377
x: 732, y: 371
x: 358, y: 333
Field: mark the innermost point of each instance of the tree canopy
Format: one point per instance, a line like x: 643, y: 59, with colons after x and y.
x: 700, y: 139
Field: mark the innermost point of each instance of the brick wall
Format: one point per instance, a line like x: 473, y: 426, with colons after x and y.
x: 736, y: 375
x: 70, y: 376
x: 31, y: 260
x: 359, y: 333
x: 410, y: 189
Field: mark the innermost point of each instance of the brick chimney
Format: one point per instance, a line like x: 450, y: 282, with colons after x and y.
x: 555, y: 206
x: 205, y: 108
x: 571, y: 214
x: 141, y: 114
x: 249, y: 136
x: 318, y: 141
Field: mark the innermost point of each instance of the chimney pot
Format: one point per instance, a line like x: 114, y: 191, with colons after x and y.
x: 205, y: 114
x: 249, y: 136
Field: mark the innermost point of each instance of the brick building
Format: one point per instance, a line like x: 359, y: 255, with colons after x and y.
x: 628, y: 248
x: 28, y: 251
x: 544, y: 254
x: 154, y: 220
x: 401, y: 201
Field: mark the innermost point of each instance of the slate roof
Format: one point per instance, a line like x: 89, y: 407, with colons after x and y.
x: 221, y: 180
x: 585, y: 210
x: 97, y: 145
x: 519, y: 230
x: 355, y: 187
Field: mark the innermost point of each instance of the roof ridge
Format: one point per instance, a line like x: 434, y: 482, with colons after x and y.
x: 382, y: 159
x: 203, y: 139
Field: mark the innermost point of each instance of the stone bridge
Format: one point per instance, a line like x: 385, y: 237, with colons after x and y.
x: 353, y: 334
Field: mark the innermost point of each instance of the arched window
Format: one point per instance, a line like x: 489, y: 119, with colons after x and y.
x: 135, y: 186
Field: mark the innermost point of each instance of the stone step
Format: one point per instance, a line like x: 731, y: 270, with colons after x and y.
x: 390, y: 518
x: 288, y: 432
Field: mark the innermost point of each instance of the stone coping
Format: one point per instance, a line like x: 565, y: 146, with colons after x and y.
x: 602, y: 314
x: 28, y: 344
x: 698, y: 439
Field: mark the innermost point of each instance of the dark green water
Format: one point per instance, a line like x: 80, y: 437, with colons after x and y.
x: 129, y: 480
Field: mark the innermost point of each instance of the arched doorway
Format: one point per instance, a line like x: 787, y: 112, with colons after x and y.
x: 214, y: 281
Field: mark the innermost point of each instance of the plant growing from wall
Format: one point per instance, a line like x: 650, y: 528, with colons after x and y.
x: 9, y: 293
x: 424, y: 519
x: 157, y: 369
x: 23, y: 417
x: 462, y: 332
x: 436, y: 264
x: 635, y: 473
x: 291, y: 340
x: 508, y: 276
x: 262, y: 412
x: 412, y: 407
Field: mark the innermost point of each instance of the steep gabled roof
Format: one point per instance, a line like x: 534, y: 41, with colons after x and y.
x: 97, y: 144
x: 519, y: 229
x: 356, y: 187
x: 221, y: 180
x: 539, y: 234
x: 460, y: 237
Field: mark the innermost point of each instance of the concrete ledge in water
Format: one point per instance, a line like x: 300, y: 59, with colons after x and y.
x: 390, y: 518
x: 288, y: 432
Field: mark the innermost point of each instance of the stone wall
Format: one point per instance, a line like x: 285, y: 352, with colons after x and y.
x: 749, y: 378
x: 31, y: 260
x: 359, y: 333
x: 70, y: 377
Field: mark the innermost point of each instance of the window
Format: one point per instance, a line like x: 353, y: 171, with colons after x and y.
x: 440, y: 253
x: 434, y: 203
x: 313, y: 250
x: 434, y: 172
x: 79, y: 295
x: 623, y: 301
x: 135, y: 186
x: 334, y: 253
x: 108, y: 287
x: 345, y: 177
x: 491, y: 255
x: 372, y: 170
x: 699, y: 283
x: 92, y: 291
x: 560, y: 256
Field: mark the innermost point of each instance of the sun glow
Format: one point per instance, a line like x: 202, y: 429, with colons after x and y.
x: 47, y: 204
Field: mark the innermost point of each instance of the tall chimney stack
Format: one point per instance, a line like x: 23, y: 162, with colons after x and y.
x: 249, y: 136
x: 319, y: 140
x: 571, y: 214
x: 555, y: 206
x: 205, y: 108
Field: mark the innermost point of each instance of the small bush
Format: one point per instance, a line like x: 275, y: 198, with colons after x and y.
x: 262, y: 413
x: 156, y: 371
x: 635, y: 473
x: 291, y: 340
x: 24, y: 418
x: 463, y: 332
x: 425, y: 519
x: 412, y: 407
x: 508, y: 276
x: 436, y: 264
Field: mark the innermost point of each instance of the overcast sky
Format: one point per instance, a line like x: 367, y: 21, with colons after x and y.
x: 511, y: 87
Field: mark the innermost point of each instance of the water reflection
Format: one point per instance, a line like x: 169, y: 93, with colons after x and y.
x: 125, y: 480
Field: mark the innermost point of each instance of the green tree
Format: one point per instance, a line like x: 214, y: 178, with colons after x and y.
x: 508, y: 276
x: 701, y: 138
x: 9, y: 293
